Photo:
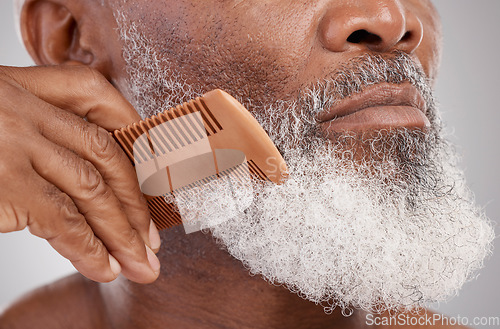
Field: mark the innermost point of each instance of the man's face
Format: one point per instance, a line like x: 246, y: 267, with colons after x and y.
x: 375, y: 213
x: 265, y: 51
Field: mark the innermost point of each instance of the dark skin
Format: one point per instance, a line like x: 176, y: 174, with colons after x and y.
x: 259, y: 49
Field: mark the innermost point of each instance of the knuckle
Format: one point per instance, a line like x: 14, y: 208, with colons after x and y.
x: 13, y: 218
x: 89, y: 178
x: 66, y: 206
x: 103, y: 147
x: 92, y: 182
x: 75, y: 222
x: 68, y: 210
x: 133, y: 238
x: 92, y: 247
x: 94, y: 79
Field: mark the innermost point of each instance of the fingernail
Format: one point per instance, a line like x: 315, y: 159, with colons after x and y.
x: 153, y: 260
x: 115, y: 266
x: 154, y: 237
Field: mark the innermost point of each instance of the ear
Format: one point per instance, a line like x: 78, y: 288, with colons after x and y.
x: 51, y: 34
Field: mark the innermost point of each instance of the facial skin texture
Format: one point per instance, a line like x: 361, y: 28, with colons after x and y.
x: 269, y: 55
x: 268, y: 51
x: 374, y: 219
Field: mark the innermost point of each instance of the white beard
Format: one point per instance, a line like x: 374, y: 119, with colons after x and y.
x: 396, y: 230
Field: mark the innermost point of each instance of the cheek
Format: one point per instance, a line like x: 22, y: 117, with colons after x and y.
x: 244, y: 66
x: 255, y: 52
x: 259, y: 54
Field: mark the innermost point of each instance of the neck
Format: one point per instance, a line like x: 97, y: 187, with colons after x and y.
x: 201, y: 286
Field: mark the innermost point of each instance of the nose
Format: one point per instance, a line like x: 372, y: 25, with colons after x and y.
x: 377, y: 25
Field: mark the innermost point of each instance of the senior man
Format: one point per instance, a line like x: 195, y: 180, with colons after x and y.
x: 374, y: 217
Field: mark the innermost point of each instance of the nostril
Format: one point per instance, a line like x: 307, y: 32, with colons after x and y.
x: 408, y: 35
x: 363, y: 36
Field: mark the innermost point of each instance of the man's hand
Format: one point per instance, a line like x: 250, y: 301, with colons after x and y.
x: 66, y: 179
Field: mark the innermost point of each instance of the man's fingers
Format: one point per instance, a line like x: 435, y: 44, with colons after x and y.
x: 95, y: 144
x: 98, y: 147
x: 52, y: 215
x: 95, y: 200
x: 78, y: 89
x: 83, y: 192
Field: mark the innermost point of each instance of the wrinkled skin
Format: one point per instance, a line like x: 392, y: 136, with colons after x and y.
x: 258, y: 50
x: 269, y: 50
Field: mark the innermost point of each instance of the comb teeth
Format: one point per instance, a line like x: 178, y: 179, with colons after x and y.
x: 186, y: 130
x: 256, y: 171
x: 214, y: 124
x: 166, y: 215
x: 187, y: 147
x: 237, y: 172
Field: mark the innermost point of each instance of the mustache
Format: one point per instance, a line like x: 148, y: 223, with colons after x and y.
x: 366, y: 70
x: 295, y: 122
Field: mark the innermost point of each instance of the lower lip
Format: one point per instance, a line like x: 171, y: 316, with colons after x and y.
x: 379, y: 117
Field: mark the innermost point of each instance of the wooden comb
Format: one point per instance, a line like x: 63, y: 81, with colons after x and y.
x: 200, y: 140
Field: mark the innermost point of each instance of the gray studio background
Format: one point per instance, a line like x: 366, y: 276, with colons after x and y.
x: 468, y: 91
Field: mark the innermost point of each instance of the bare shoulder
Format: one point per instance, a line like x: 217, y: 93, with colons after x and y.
x: 73, y: 302
x: 425, y: 319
